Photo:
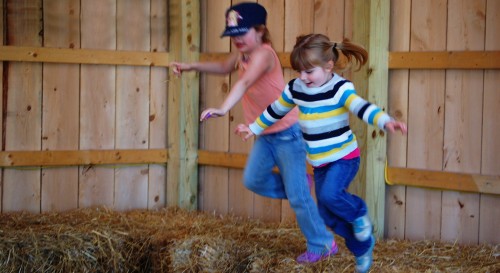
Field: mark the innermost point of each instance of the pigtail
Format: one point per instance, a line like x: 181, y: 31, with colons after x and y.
x: 316, y: 50
x: 353, y: 53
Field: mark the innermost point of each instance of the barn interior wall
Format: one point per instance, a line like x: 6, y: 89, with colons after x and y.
x: 450, y: 112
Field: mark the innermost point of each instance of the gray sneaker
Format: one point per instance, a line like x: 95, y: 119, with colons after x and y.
x: 362, y: 228
x: 364, y: 262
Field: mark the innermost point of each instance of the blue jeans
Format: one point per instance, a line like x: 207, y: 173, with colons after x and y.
x: 286, y: 149
x: 337, y: 206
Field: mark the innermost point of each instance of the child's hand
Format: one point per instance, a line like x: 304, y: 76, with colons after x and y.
x: 243, y: 131
x: 177, y: 68
x: 211, y: 113
x: 393, y: 125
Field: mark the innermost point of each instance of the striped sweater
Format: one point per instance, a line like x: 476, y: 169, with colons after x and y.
x: 323, y: 117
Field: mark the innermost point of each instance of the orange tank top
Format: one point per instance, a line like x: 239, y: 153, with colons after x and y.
x: 265, y: 91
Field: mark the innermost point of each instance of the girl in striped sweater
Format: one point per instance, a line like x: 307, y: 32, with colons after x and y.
x: 324, y: 100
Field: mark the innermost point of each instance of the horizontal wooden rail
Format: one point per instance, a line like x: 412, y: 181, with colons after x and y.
x: 222, y: 159
x: 394, y: 176
x: 284, y: 58
x: 443, y: 180
x: 229, y: 160
x: 397, y: 60
x: 82, y: 56
x: 413, y: 60
x: 81, y: 157
x: 445, y: 60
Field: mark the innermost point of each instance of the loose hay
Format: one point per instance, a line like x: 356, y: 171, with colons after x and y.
x: 173, y: 240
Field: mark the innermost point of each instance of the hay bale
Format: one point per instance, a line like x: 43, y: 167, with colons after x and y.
x: 41, y: 243
x: 203, y: 254
x: 173, y: 240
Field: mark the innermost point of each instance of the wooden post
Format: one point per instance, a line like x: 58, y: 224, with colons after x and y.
x: 183, y: 97
x: 374, y: 29
x: 1, y: 98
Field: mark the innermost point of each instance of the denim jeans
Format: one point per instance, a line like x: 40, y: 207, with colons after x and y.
x: 337, y: 206
x: 286, y: 149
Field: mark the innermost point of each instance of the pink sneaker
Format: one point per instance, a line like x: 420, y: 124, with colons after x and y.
x: 309, y: 257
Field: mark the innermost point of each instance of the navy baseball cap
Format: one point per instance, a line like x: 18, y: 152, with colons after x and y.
x: 241, y: 17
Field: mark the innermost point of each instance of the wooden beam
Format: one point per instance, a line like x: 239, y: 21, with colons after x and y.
x: 445, y: 60
x: 378, y: 86
x: 414, y: 60
x: 284, y: 58
x: 397, y: 60
x: 222, y: 159
x: 173, y: 107
x: 81, y: 157
x: 183, y: 105
x: 489, y: 184
x: 83, y: 56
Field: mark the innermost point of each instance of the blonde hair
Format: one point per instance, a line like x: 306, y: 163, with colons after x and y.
x: 316, y: 50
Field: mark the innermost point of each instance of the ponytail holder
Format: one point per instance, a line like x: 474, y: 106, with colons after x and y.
x: 334, y: 45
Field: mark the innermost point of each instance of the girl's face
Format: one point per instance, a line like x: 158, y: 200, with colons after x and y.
x: 317, y: 76
x: 247, y: 42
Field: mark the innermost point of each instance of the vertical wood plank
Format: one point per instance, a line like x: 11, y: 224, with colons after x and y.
x: 216, y: 189
x: 173, y: 106
x: 60, y: 95
x: 378, y: 85
x: 158, y: 104
x: 185, y: 45
x: 398, y: 108
x: 463, y: 115
x: 329, y: 18
x: 97, y: 101
x: 190, y: 113
x: 24, y: 93
x: 1, y: 99
x: 489, y: 222
x: 348, y: 18
x: 426, y: 109
x: 132, y: 103
x: 360, y: 35
x: 349, y: 25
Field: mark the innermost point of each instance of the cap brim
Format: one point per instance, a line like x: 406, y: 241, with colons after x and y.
x: 235, y: 31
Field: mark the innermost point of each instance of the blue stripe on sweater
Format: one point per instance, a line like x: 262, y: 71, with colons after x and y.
x: 323, y: 149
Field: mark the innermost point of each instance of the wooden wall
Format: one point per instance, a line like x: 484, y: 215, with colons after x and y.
x: 451, y: 121
x: 90, y: 116
x: 71, y: 107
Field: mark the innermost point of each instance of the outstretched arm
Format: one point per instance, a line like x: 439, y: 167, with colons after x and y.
x: 222, y: 67
x: 260, y: 64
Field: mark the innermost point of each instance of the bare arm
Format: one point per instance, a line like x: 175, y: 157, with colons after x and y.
x: 262, y: 62
x: 222, y: 67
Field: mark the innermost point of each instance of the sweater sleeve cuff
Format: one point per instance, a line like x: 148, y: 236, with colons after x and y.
x: 255, y: 128
x: 383, y: 120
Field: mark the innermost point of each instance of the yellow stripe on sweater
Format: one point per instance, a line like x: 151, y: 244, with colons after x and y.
x: 318, y: 116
